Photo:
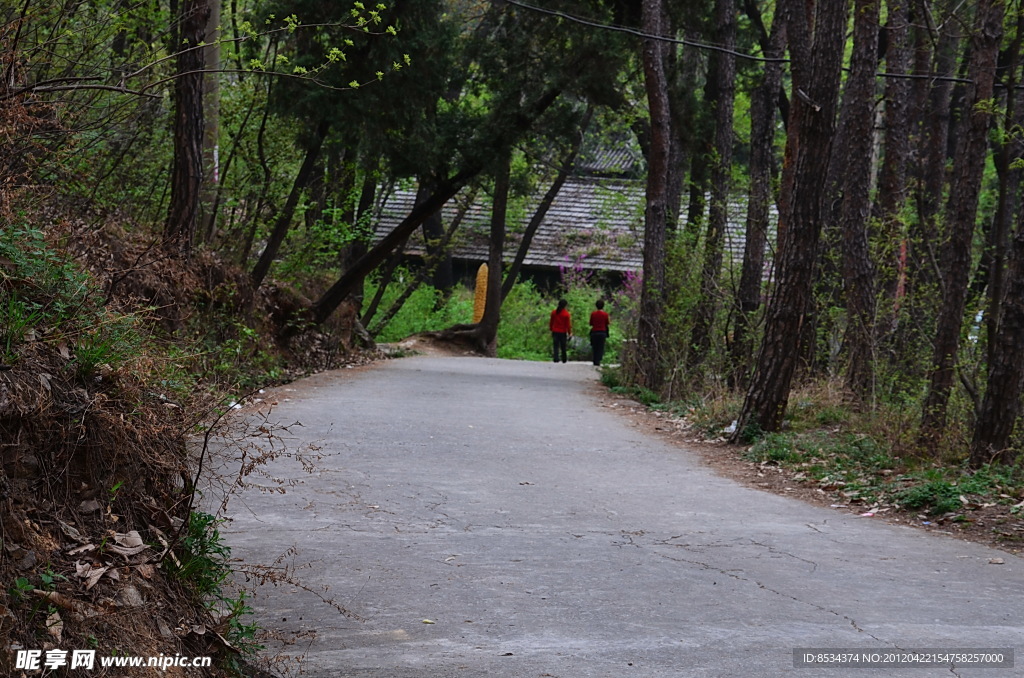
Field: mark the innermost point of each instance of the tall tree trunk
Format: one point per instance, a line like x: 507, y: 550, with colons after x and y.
x: 187, y: 170
x: 922, y: 257
x: 751, y: 9
x: 683, y: 70
x: 858, y: 270
x: 892, y: 179
x: 934, y: 63
x: 284, y: 217
x: 488, y: 330
x: 1007, y: 158
x: 762, y: 135
x: 968, y: 167
x: 649, y: 370
x: 723, y: 73
x: 1001, y: 405
x: 816, y: 46
x: 211, y: 116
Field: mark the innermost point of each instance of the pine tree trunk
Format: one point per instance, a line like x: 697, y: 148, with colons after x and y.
x: 816, y: 64
x: 892, y: 178
x: 211, y: 119
x: 858, y: 270
x: 187, y: 170
x: 922, y: 256
x: 723, y: 73
x: 762, y: 134
x: 1001, y: 405
x: 968, y: 167
x: 917, y: 258
x: 1007, y: 156
x: 649, y: 369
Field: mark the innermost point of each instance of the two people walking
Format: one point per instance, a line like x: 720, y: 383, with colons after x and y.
x: 561, y: 329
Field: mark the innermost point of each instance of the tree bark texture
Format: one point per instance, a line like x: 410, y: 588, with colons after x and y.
x: 683, y: 71
x: 1001, y: 405
x: 751, y: 9
x: 211, y: 119
x: 1007, y: 154
x: 649, y: 370
x: 969, y: 164
x: 892, y: 178
x: 858, y: 270
x: 495, y: 258
x: 922, y: 259
x: 187, y: 169
x: 762, y: 135
x: 723, y: 73
x: 934, y: 62
x: 816, y: 46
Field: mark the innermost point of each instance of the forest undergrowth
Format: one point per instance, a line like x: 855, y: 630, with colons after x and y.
x: 854, y: 459
x: 120, y: 369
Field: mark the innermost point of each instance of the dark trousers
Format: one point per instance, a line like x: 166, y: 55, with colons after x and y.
x: 597, y: 340
x: 561, y: 342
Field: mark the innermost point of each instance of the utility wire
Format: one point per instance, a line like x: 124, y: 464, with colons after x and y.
x: 715, y: 48
x: 641, y: 34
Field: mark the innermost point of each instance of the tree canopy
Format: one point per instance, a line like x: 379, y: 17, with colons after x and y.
x: 279, y: 149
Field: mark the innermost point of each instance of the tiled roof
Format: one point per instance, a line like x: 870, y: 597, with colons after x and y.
x: 593, y: 222
x: 621, y: 161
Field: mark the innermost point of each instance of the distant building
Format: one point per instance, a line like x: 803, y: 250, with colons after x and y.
x: 595, y: 223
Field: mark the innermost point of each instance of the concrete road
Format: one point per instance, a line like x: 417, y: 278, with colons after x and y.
x: 544, y: 536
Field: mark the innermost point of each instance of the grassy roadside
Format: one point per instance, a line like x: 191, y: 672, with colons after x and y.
x: 859, y: 462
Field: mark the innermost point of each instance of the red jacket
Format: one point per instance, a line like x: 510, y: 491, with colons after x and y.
x: 561, y: 321
x: 599, y: 321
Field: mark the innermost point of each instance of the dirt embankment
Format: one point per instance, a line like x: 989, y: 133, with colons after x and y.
x: 99, y: 398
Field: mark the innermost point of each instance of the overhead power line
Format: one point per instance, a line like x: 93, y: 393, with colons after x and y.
x: 641, y: 34
x: 715, y: 48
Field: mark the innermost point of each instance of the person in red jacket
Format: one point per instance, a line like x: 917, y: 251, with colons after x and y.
x: 561, y: 328
x: 598, y: 331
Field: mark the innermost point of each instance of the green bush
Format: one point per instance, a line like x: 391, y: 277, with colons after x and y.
x: 937, y: 496
x: 45, y: 292
x: 16, y: 319
x: 523, y: 333
x: 425, y: 310
x: 202, y: 556
x: 611, y: 377
x: 776, y: 448
x: 203, y: 563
